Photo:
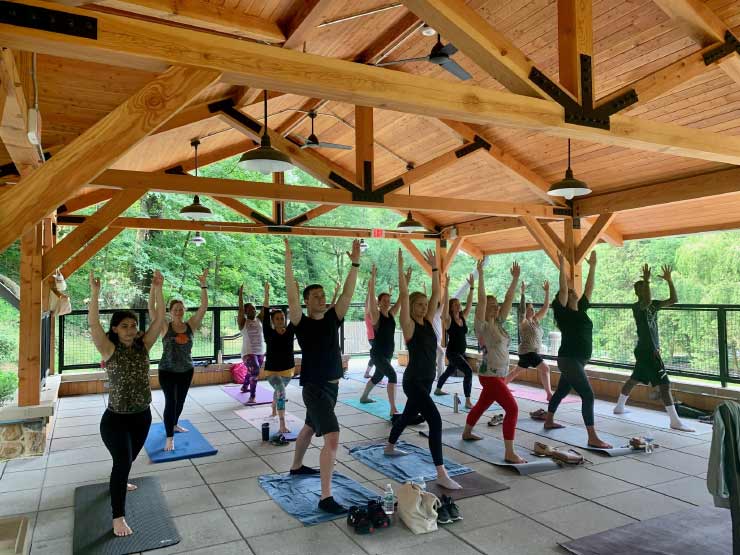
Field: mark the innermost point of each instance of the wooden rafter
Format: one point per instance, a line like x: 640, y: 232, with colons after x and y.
x: 85, y: 200
x: 405, y: 26
x: 237, y: 206
x: 152, y: 46
x: 299, y: 26
x: 416, y: 254
x: 535, y: 228
x: 486, y: 225
x: 451, y: 254
x: 557, y: 241
x: 97, y: 148
x: 310, y: 215
x: 592, y: 236
x: 575, y: 37
x: 684, y: 230
x: 90, y: 250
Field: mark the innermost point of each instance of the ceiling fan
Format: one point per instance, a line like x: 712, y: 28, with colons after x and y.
x: 440, y: 55
x: 313, y: 140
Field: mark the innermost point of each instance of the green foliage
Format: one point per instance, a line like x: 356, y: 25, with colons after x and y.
x: 8, y: 385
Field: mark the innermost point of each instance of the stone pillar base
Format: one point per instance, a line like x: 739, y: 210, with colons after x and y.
x: 26, y: 438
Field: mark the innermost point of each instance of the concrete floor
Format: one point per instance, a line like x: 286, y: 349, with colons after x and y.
x: 219, y: 508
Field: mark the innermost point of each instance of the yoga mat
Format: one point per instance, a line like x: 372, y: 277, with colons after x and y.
x: 540, y: 395
x: 256, y: 416
x: 188, y: 445
x: 704, y: 530
x: 576, y: 436
x: 380, y: 408
x: 418, y: 463
x: 491, y: 450
x: 448, y: 401
x: 360, y: 378
x: 146, y: 513
x: 263, y: 396
x: 472, y: 484
x: 299, y: 495
x: 653, y: 418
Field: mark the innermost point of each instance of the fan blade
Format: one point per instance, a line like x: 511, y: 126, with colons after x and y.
x: 448, y: 49
x: 383, y: 64
x: 456, y: 70
x: 333, y: 145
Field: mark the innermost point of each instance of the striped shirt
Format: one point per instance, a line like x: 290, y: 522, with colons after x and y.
x: 530, y: 336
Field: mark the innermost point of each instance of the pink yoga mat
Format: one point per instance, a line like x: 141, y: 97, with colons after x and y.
x: 263, y: 395
x: 539, y: 395
x: 256, y: 416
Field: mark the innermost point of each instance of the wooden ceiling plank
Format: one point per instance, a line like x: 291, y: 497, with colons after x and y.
x: 299, y: 26
x: 85, y: 200
x: 50, y: 185
x: 593, y: 235
x: 90, y: 250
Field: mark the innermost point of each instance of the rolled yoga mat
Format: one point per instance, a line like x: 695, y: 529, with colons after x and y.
x: 263, y: 395
x: 188, y: 445
x: 576, y: 436
x: 702, y: 530
x: 147, y: 514
x: 417, y: 464
x: 491, y: 450
x: 257, y: 416
x: 299, y: 495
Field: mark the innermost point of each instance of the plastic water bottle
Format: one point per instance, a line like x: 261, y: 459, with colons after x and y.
x: 389, y: 500
x: 648, y: 445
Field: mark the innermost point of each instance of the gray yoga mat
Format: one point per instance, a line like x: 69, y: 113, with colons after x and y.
x: 576, y: 436
x: 472, y: 484
x: 146, y: 512
x: 491, y: 450
x: 702, y: 530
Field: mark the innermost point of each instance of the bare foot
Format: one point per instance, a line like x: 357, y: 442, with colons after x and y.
x: 169, y: 444
x: 447, y: 482
x: 391, y: 451
x: 553, y: 426
x: 470, y: 436
x: 599, y: 444
x: 366, y: 400
x: 131, y: 487
x: 367, y: 375
x: 549, y: 396
x: 180, y: 429
x: 120, y: 528
x: 284, y: 430
x: 681, y: 427
x: 468, y: 405
x: 251, y: 401
x: 514, y: 459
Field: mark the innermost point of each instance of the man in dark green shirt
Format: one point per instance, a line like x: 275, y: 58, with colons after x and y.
x: 649, y: 367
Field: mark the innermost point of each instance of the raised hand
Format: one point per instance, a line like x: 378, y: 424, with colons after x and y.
x: 267, y: 288
x: 354, y: 256
x: 523, y: 287
x: 471, y: 280
x: 157, y: 279
x: 645, y: 272
x: 667, y: 271
x: 241, y: 290
x: 94, y: 284
x: 515, y: 270
x: 408, y: 274
x: 288, y: 253
x: 373, y: 272
x: 546, y: 286
x: 430, y: 258
x: 592, y: 259
x: 203, y: 277
x: 479, y: 267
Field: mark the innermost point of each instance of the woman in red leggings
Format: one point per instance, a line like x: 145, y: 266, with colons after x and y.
x: 489, y: 320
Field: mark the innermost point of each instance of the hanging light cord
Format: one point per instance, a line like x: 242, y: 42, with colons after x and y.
x: 568, y: 153
x: 195, y: 146
x: 264, y: 129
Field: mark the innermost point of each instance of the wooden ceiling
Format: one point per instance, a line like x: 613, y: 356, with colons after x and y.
x: 631, y: 40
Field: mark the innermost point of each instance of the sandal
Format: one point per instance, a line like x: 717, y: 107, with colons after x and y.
x: 637, y: 443
x: 542, y: 449
x: 496, y: 420
x: 539, y: 414
x: 571, y: 456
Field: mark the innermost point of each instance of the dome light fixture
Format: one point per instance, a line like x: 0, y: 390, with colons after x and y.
x: 410, y: 225
x: 428, y: 31
x: 265, y: 158
x: 198, y: 240
x: 195, y: 211
x: 569, y: 187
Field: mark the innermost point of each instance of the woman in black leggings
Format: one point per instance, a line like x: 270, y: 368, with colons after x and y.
x: 176, y: 365
x: 416, y: 322
x: 125, y: 424
x: 575, y: 350
x: 454, y: 322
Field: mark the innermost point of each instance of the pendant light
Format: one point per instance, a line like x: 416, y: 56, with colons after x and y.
x: 569, y: 187
x: 410, y: 225
x: 198, y: 240
x: 265, y: 158
x: 195, y: 211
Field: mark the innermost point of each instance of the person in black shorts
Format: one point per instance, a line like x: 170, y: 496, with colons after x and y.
x: 416, y: 322
x: 384, y: 327
x: 649, y: 367
x: 321, y: 368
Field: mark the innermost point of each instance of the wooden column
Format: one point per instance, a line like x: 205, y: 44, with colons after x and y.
x: 575, y: 37
x: 572, y: 240
x: 49, y: 240
x: 29, y: 348
x: 441, y: 246
x: 364, y: 147
x: 278, y: 207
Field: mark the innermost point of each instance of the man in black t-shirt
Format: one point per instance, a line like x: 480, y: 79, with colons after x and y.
x: 649, y: 367
x: 321, y: 368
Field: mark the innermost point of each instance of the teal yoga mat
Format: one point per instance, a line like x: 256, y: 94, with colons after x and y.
x: 380, y: 408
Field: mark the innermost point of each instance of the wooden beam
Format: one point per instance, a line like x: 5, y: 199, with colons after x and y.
x: 416, y: 254
x: 390, y: 38
x: 29, y: 334
x: 310, y: 215
x: 364, y: 147
x: 684, y: 230
x: 90, y: 250
x: 472, y: 250
x: 452, y: 254
x: 612, y: 234
x: 14, y: 114
x: 86, y: 200
x: 209, y: 157
x: 557, y: 241
x: 97, y: 148
x: 486, y: 225
x: 237, y: 206
x: 572, y: 232
x: 475, y: 37
x: 675, y: 190
x: 592, y: 237
x: 299, y: 26
x: 146, y: 45
x: 541, y: 236
x: 235, y: 188
x: 93, y: 225
x: 575, y: 37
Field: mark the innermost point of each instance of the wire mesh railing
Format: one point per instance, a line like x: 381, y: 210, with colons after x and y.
x: 700, y: 341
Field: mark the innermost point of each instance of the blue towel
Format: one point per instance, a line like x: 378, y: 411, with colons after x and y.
x: 188, y: 445
x: 418, y: 463
x: 380, y: 408
x: 299, y: 495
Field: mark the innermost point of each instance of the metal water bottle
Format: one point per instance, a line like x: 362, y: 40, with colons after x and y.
x: 456, y: 403
x: 266, y: 431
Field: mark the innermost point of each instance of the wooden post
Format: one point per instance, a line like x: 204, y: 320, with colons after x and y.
x: 29, y: 348
x: 278, y: 208
x: 572, y: 240
x: 575, y: 37
x: 364, y: 147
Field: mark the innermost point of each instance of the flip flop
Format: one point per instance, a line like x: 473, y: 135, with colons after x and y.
x: 496, y: 420
x: 570, y: 456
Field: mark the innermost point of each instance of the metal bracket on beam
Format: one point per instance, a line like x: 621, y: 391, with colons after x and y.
x: 344, y: 183
x: 367, y: 196
x: 730, y: 45
x: 280, y: 228
x: 261, y: 218
x: 70, y: 219
x: 227, y: 107
x: 44, y: 19
x: 557, y: 211
x: 176, y: 170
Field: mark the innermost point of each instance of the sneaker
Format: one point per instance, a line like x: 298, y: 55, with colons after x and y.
x: 443, y: 514
x: 452, y: 509
x: 358, y: 519
x: 377, y: 514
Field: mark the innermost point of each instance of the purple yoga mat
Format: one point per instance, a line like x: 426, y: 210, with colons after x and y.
x: 262, y: 397
x: 540, y: 395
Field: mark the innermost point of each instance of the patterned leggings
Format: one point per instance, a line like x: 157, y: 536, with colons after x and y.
x: 279, y: 383
x: 253, y: 363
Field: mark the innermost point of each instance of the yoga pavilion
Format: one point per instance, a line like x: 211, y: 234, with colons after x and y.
x: 461, y: 117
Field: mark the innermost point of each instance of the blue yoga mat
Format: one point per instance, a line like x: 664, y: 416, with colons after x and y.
x: 380, y: 408
x: 188, y: 445
x: 416, y: 464
x: 299, y: 495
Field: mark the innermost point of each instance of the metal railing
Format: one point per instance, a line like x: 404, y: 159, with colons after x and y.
x: 701, y: 341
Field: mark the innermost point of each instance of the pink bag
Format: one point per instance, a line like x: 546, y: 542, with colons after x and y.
x: 238, y: 372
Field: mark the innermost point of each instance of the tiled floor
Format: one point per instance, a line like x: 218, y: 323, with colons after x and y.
x: 219, y: 507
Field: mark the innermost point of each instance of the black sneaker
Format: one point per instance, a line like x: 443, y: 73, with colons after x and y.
x: 331, y: 506
x: 377, y: 514
x: 443, y: 514
x: 452, y: 509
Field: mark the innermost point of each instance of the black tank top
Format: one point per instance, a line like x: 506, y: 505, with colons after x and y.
x: 384, y: 342
x: 422, y: 353
x: 457, y: 337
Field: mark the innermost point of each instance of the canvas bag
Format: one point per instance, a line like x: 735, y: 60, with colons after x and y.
x: 417, y: 508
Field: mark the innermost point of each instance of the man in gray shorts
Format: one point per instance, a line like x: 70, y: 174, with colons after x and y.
x: 321, y: 369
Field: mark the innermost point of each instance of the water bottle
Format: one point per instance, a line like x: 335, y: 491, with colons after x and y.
x: 220, y: 357
x: 389, y: 499
x: 456, y: 403
x: 648, y: 445
x: 266, y: 431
